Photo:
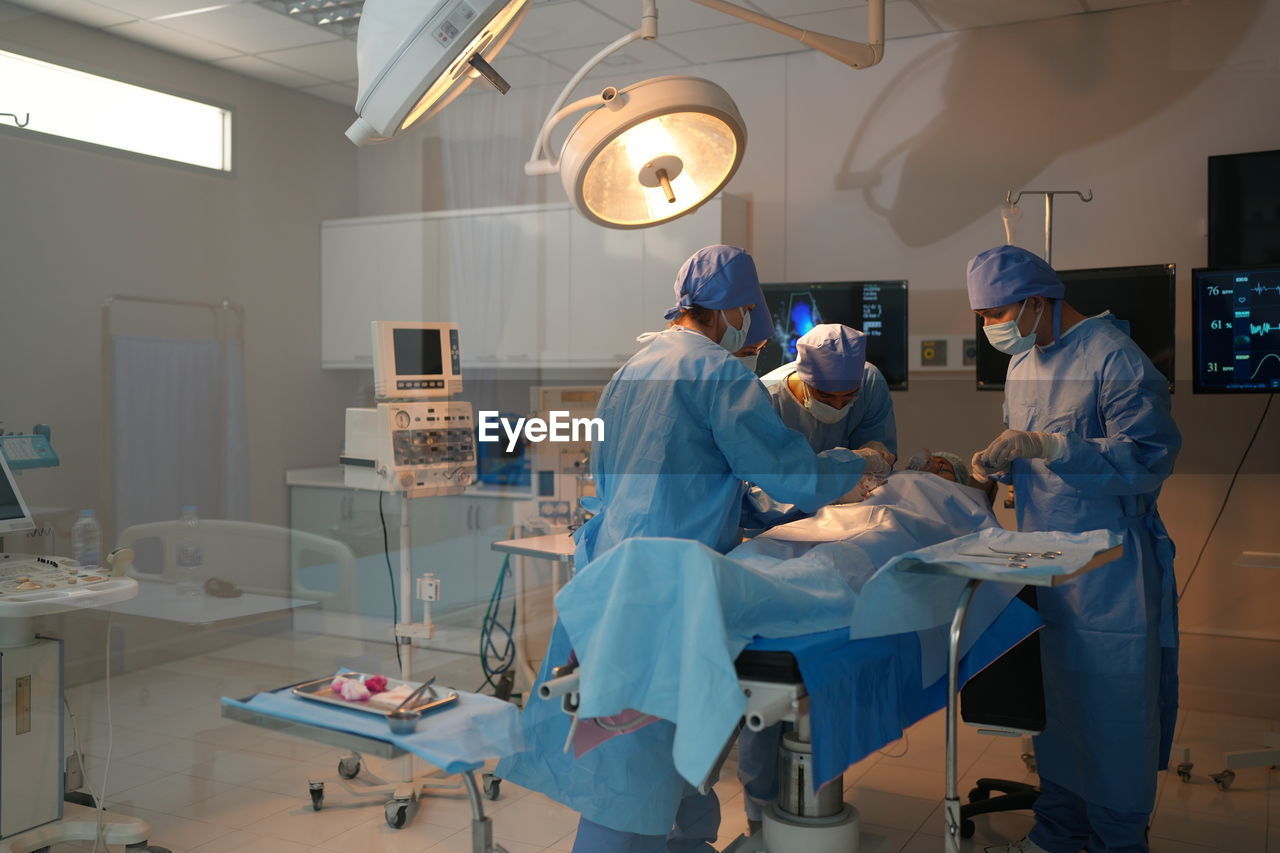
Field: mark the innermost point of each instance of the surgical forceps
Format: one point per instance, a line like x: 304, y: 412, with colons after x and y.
x: 1045, y: 555
x: 1013, y: 561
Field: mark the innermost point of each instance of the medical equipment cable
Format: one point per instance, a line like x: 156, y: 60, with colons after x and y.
x: 506, y: 657
x: 1261, y: 420
x: 391, y: 578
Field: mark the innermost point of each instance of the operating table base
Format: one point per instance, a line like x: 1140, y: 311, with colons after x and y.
x: 785, y: 833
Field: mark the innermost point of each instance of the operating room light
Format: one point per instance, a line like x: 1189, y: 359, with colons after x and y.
x: 415, y: 57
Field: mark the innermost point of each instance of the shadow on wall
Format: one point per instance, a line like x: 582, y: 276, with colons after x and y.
x: 1014, y: 99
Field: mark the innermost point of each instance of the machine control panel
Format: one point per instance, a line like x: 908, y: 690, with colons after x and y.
x: 22, y: 575
x: 420, y: 448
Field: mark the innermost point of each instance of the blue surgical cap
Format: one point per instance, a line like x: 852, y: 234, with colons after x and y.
x: 718, y: 277
x: 1007, y: 274
x: 761, y: 325
x: 831, y: 358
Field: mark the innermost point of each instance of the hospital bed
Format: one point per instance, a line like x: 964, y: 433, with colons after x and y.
x: 849, y: 691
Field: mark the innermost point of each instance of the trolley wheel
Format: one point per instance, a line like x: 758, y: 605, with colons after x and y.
x: 977, y: 795
x: 397, y: 814
x: 317, y: 796
x: 967, y: 828
x: 1224, y: 779
x: 1184, y: 771
x: 492, y: 786
x: 1029, y: 759
x: 349, y: 767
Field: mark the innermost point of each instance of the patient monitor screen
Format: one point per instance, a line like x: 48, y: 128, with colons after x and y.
x: 877, y: 308
x: 1235, y: 329
x: 418, y: 352
x: 1141, y: 296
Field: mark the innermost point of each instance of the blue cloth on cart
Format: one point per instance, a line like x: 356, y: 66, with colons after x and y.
x: 455, y: 738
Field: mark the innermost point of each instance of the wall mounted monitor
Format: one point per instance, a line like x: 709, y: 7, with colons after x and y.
x: 1244, y: 210
x: 877, y: 308
x: 416, y: 361
x: 1143, y: 296
x: 14, y: 515
x: 1235, y: 330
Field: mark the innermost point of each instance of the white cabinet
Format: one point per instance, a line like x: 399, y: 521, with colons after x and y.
x: 498, y: 274
x: 528, y: 286
x: 371, y: 269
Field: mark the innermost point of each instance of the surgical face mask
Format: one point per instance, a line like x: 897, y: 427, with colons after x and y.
x: 1006, y: 337
x: 821, y: 411
x: 735, y: 339
x: 749, y: 361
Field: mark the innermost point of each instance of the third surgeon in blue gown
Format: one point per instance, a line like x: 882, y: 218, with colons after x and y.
x: 1090, y: 441
x: 685, y: 424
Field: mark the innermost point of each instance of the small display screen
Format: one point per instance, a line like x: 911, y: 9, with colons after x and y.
x: 1143, y: 297
x: 1235, y: 320
x: 876, y: 308
x: 418, y: 352
x: 10, y: 506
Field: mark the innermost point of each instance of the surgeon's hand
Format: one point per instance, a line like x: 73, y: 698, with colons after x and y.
x: 879, y: 447
x: 878, y: 464
x: 1016, y: 444
x: 862, y: 491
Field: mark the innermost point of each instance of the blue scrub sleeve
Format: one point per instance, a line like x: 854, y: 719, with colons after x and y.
x: 763, y: 451
x: 761, y: 512
x: 878, y: 423
x: 1141, y: 442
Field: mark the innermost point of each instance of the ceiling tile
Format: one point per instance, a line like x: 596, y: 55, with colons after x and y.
x: 80, y: 11
x: 736, y: 41
x: 951, y: 15
x: 172, y: 41
x: 561, y: 25
x: 253, y: 66
x: 333, y: 60
x: 902, y: 19
x: 156, y: 8
x: 250, y: 29
x: 640, y: 58
x: 1101, y: 5
x: 778, y: 8
x: 675, y: 17
x: 336, y: 92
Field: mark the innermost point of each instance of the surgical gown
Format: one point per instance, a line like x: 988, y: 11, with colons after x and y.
x: 684, y: 425
x: 1109, y: 646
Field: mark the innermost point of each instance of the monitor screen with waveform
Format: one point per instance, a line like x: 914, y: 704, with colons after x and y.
x: 877, y: 308
x: 1236, y: 330
x: 1140, y: 296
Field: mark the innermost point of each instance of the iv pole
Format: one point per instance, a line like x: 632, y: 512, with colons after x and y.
x: 1011, y: 200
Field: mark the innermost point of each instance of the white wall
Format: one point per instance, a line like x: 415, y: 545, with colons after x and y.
x: 898, y: 171
x: 78, y: 224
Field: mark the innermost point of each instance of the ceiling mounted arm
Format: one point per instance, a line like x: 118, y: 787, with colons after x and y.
x: 851, y: 53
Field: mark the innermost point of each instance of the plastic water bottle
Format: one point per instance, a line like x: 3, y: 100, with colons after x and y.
x: 86, y: 540
x: 190, y: 557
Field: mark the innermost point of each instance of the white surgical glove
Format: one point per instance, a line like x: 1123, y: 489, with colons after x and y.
x: 879, y: 447
x: 1015, y: 444
x: 877, y: 464
x: 861, y: 491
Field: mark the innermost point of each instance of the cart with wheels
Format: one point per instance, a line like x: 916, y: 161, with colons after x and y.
x: 457, y: 739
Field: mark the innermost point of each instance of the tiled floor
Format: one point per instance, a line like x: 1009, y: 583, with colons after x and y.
x: 207, y: 785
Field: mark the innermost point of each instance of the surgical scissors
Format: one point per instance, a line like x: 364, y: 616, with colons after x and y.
x: 1045, y: 555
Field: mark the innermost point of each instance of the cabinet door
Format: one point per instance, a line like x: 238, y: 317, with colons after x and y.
x: 606, y: 271
x: 495, y: 271
x: 368, y: 271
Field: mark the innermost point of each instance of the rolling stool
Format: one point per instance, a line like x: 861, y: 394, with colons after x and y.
x: 1005, y: 699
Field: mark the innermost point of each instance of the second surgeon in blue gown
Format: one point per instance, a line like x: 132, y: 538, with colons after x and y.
x: 685, y: 423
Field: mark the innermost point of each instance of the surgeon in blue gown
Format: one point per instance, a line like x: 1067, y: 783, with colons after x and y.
x: 685, y: 424
x: 1090, y: 440
x: 833, y: 397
